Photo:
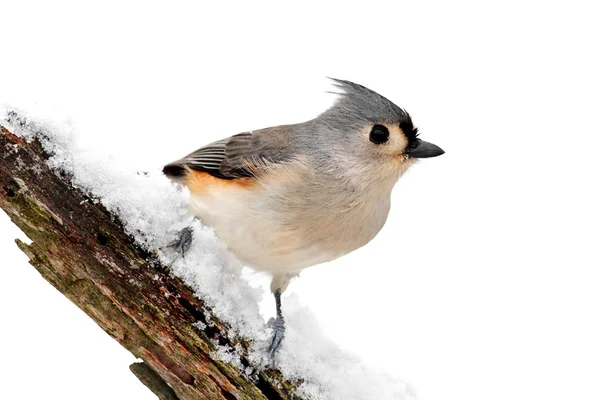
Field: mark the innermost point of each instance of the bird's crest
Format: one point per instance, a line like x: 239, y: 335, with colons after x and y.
x: 361, y: 104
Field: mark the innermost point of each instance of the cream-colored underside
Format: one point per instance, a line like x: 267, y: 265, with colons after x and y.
x: 241, y: 218
x: 291, y: 219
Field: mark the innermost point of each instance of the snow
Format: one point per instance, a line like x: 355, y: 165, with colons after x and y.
x: 152, y: 210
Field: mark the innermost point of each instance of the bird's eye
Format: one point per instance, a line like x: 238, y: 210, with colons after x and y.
x: 379, y: 134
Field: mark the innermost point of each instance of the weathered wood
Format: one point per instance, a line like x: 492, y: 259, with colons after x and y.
x: 81, y: 249
x: 153, y: 381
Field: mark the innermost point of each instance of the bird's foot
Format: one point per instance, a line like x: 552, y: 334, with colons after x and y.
x: 182, y: 244
x: 278, y: 326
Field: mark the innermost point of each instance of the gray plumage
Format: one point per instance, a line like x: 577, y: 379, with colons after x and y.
x: 243, y: 154
x: 357, y: 105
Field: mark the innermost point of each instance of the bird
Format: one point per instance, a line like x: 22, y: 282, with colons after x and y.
x: 289, y: 197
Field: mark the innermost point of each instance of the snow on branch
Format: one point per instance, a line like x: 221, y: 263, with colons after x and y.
x: 97, y: 230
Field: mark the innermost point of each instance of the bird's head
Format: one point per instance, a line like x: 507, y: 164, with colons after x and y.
x: 372, y: 132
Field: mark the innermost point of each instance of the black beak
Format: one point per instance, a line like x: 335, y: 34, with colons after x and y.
x: 422, y: 149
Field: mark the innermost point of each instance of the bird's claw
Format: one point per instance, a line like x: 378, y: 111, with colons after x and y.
x: 182, y: 244
x: 278, y: 326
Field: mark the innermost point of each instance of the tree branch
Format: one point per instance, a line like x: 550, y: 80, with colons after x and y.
x: 81, y: 249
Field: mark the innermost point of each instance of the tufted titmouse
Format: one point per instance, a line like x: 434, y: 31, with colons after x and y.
x: 288, y: 197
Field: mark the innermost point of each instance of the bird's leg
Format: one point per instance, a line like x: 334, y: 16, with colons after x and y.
x: 278, y: 327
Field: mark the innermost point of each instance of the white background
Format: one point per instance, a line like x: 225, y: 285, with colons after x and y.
x: 484, y: 284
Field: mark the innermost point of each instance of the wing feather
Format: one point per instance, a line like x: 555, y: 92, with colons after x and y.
x: 238, y: 156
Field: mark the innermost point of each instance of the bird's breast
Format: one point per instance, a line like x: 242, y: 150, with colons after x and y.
x: 286, y: 225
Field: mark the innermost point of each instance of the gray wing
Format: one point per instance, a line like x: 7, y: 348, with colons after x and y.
x: 238, y: 156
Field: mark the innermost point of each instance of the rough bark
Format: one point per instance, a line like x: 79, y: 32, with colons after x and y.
x: 81, y: 249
